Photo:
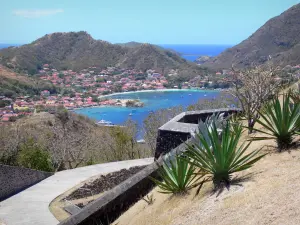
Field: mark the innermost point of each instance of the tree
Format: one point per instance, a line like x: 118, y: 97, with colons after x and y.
x: 155, y: 120
x: 61, y: 75
x: 223, y: 101
x: 8, y: 93
x: 33, y: 156
x: 117, y: 88
x: 4, y: 103
x: 95, y: 99
x: 253, y: 87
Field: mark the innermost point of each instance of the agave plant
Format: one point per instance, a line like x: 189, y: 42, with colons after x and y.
x: 282, y: 121
x: 178, y: 176
x: 205, y: 127
x: 220, y: 157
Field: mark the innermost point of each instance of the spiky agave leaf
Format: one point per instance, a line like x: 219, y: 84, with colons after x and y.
x: 221, y: 157
x: 205, y: 127
x: 177, y: 176
x: 282, y: 121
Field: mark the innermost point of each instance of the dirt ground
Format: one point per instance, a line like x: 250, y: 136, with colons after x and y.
x: 103, y: 183
x: 267, y: 193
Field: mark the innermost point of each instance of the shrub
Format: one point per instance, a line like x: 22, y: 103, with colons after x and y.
x: 33, y: 156
x: 177, y: 177
x: 220, y: 156
x: 62, y: 114
x: 12, y: 119
x: 295, y: 94
x: 282, y: 121
x: 235, y: 123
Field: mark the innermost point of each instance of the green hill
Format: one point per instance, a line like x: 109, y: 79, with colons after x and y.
x: 78, y: 50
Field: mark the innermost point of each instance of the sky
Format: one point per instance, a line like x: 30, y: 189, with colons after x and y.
x: 155, y: 21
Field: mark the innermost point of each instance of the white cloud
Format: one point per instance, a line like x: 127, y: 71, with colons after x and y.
x: 36, y: 13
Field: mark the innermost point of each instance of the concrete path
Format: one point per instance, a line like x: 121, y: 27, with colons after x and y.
x: 30, y: 207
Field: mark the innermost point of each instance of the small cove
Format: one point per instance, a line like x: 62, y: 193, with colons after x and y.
x: 154, y: 100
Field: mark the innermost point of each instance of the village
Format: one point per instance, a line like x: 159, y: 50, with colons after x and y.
x: 89, y: 88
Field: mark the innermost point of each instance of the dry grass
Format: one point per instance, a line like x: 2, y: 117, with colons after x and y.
x: 267, y: 193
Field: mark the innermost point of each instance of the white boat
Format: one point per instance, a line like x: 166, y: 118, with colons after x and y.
x: 130, y: 114
x: 104, y: 122
x: 141, y: 141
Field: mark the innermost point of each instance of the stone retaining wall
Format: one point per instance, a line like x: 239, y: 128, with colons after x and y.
x: 180, y: 128
x: 14, y: 179
x: 113, y: 203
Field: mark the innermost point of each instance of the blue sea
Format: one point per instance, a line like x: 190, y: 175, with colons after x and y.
x: 153, y: 101
x: 8, y: 45
x: 192, y: 52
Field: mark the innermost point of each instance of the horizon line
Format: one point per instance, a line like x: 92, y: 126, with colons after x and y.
x: 12, y: 44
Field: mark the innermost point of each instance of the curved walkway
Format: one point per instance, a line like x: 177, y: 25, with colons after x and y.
x: 30, y: 207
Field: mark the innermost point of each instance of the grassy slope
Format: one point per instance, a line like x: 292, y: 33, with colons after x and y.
x: 269, y: 196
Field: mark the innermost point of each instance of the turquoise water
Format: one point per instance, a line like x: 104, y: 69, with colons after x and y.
x: 153, y: 101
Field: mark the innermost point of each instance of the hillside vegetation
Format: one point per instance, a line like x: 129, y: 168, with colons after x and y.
x: 67, y: 140
x: 277, y: 40
x: 78, y: 50
x: 13, y: 84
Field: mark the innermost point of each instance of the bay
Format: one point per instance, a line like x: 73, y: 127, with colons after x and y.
x: 154, y: 100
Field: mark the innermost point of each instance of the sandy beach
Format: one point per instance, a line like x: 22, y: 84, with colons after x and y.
x: 157, y: 90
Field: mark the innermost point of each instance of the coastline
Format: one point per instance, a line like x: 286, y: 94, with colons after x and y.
x: 158, y: 90
x: 144, y: 91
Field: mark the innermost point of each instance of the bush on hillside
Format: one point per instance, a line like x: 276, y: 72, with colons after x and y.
x: 33, y: 156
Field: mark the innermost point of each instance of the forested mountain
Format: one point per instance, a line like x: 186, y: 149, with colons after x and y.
x: 278, y: 41
x: 78, y: 50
